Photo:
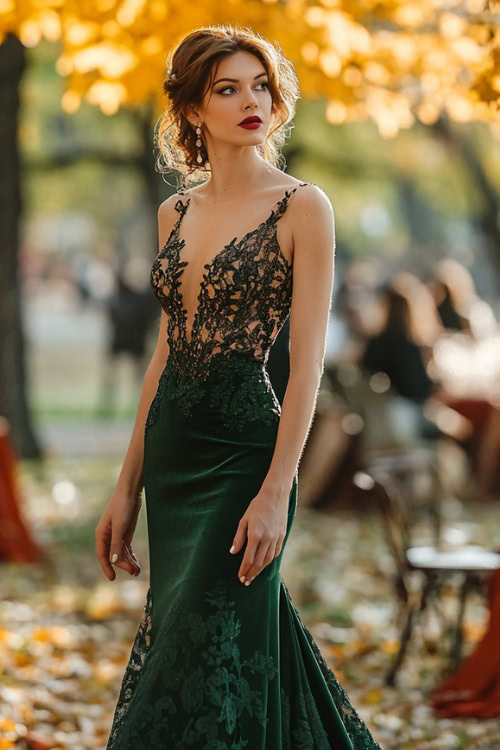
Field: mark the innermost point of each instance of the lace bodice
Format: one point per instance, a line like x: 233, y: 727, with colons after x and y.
x: 243, y: 302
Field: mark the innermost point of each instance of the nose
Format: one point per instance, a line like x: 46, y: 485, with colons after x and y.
x: 251, y: 99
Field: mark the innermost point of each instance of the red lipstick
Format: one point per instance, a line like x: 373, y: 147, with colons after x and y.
x: 251, y: 123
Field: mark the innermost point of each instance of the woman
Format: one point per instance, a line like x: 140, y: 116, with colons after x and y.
x: 396, y: 349
x: 221, y: 658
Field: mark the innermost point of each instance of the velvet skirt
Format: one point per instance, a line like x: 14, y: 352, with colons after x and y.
x: 216, y: 664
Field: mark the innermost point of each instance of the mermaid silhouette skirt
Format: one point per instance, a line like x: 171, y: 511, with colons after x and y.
x: 217, y: 664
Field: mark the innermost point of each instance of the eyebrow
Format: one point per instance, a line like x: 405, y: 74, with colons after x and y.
x: 236, y: 80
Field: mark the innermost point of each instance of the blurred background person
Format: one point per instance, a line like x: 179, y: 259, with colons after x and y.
x: 130, y: 311
x: 466, y: 361
x: 459, y: 306
x: 402, y: 346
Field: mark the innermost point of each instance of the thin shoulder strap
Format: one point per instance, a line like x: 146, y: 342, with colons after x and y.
x: 282, y: 205
x: 181, y: 207
x: 276, y: 213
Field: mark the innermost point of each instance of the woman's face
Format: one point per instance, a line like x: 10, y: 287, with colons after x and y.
x: 239, y: 91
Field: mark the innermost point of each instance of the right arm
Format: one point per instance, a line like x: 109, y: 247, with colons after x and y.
x: 117, y: 525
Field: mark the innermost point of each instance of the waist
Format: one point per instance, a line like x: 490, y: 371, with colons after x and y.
x: 192, y: 364
x: 234, y: 384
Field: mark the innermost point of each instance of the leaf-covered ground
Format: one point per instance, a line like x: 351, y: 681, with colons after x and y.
x: 66, y: 631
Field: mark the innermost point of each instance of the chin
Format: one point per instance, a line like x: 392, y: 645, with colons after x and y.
x: 256, y: 136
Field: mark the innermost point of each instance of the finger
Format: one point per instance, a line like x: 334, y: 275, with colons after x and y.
x: 126, y: 561
x: 258, y: 562
x: 273, y: 550
x: 132, y: 554
x: 279, y: 546
x: 272, y: 553
x: 136, y: 566
x: 249, y: 557
x: 262, y: 558
x: 239, y: 537
x: 103, y: 541
x: 116, y: 547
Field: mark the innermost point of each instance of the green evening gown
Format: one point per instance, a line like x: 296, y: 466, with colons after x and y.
x: 217, y: 665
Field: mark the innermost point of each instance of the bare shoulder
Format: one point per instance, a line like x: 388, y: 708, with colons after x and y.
x: 167, y: 207
x: 167, y: 216
x: 312, y: 198
x: 312, y: 221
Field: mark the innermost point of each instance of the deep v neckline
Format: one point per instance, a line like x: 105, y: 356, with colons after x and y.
x: 234, y: 243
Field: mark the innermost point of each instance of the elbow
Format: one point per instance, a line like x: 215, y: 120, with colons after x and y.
x: 305, y: 371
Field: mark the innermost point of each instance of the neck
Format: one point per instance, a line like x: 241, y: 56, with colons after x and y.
x: 236, y: 176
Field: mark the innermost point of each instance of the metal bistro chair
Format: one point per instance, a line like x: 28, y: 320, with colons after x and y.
x: 435, y: 565
x: 418, y: 474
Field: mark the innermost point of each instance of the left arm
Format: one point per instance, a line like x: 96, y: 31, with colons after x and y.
x: 265, y: 521
x: 312, y: 225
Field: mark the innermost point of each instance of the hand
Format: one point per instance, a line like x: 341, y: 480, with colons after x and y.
x: 114, y: 535
x: 264, y: 527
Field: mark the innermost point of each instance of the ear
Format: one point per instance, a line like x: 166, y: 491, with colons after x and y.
x: 192, y: 116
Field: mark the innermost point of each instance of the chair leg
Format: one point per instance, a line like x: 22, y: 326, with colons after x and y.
x: 404, y: 639
x: 436, y: 606
x: 412, y: 615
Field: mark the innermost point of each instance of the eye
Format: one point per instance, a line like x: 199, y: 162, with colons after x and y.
x: 226, y: 88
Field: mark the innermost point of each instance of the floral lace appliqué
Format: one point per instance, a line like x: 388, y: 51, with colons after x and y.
x: 241, y: 391
x: 202, y: 682
x: 133, y: 671
x: 203, y: 687
x: 243, y: 302
x: 154, y: 409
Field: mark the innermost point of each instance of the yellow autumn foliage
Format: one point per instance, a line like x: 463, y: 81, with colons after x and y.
x: 391, y: 61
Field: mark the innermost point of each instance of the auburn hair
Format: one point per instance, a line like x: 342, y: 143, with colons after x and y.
x: 191, y: 69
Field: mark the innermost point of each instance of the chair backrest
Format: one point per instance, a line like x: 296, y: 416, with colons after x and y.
x: 393, y: 509
x: 415, y: 476
x: 395, y: 516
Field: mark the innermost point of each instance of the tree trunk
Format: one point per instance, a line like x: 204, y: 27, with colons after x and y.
x: 458, y: 141
x: 13, y: 403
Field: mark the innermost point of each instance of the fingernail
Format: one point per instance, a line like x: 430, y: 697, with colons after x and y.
x: 242, y: 579
x: 114, y: 558
x: 232, y: 549
x: 247, y: 583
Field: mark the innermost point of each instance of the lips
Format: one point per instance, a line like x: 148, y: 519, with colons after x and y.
x: 247, y: 120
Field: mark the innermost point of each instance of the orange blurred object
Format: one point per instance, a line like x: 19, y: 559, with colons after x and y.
x: 16, y: 541
x: 474, y: 689
x: 36, y: 742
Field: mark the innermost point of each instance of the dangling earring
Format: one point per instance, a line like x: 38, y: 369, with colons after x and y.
x: 199, y: 158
